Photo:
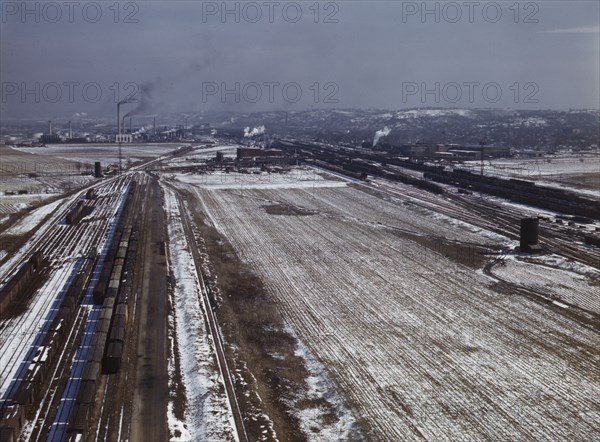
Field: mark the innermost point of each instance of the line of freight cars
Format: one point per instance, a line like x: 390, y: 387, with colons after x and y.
x: 521, y: 191
x: 24, y: 277
x: 109, y: 338
x: 108, y: 341
x: 30, y: 390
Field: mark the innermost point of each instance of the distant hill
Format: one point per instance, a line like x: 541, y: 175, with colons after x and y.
x: 544, y: 129
x: 518, y: 129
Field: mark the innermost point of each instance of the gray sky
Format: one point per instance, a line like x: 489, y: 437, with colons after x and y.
x: 182, y: 56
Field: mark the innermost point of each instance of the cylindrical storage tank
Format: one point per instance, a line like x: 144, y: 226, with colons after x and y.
x: 98, y: 169
x: 530, y: 229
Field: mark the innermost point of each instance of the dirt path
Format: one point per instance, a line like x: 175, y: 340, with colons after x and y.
x: 149, y: 422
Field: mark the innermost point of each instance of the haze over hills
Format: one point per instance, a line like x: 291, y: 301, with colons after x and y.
x: 519, y: 129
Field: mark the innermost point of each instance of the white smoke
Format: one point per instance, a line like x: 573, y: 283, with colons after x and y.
x: 256, y: 131
x: 381, y: 133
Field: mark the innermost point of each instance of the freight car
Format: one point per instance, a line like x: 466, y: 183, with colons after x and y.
x: 520, y: 191
x: 112, y: 359
x: 75, y: 213
x: 111, y: 273
x: 24, y: 276
x: 593, y: 240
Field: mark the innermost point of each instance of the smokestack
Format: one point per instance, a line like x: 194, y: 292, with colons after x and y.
x: 130, y: 126
x: 119, y: 117
x: 49, y: 127
x: 154, y: 126
x: 70, y: 130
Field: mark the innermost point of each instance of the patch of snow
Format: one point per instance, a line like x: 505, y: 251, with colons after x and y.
x: 297, y: 179
x: 208, y: 414
x: 312, y: 421
x: 29, y: 222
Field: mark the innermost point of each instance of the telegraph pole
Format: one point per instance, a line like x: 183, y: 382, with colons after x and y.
x: 120, y: 157
x: 482, y: 143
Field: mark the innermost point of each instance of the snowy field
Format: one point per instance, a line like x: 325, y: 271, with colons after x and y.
x: 28, y: 180
x: 421, y: 346
x: 105, y: 153
x: 305, y: 178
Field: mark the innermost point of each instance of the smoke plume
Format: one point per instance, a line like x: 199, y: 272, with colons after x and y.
x: 256, y: 131
x: 381, y: 133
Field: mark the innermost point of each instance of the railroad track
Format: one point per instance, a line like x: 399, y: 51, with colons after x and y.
x: 51, y: 398
x: 486, y: 215
x: 212, y: 324
x: 21, y: 335
x: 116, y: 403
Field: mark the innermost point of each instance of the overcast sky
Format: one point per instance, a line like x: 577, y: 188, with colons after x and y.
x: 182, y: 56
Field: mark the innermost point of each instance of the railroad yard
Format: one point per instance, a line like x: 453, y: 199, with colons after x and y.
x: 200, y: 296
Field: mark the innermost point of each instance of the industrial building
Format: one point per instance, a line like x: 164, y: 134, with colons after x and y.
x: 246, y: 152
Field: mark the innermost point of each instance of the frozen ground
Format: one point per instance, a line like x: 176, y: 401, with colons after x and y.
x: 421, y: 346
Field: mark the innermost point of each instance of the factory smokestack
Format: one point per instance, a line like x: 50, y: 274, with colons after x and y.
x: 130, y: 126
x: 119, y: 117
x: 49, y: 127
x: 120, y: 124
x: 154, y: 126
x: 70, y: 130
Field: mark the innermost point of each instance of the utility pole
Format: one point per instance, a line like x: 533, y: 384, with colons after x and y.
x: 120, y: 156
x: 482, y: 143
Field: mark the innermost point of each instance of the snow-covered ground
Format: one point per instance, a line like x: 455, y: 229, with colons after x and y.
x: 419, y: 345
x: 298, y: 178
x: 31, y: 221
x: 560, y: 284
x: 208, y: 415
x: 105, y: 153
